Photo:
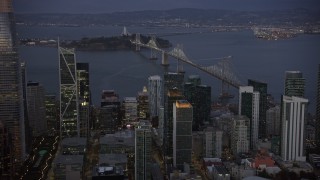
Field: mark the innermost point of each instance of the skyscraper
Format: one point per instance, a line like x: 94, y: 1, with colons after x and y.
x: 294, y: 84
x: 173, y: 95
x: 154, y: 94
x: 36, y: 109
x: 262, y: 88
x: 318, y: 110
x: 11, y: 93
x: 273, y: 121
x: 213, y: 142
x: 143, y: 104
x: 182, y: 133
x: 239, y: 134
x: 292, y: 132
x: 249, y: 106
x: 52, y: 117
x: 83, y: 89
x: 130, y: 105
x: 69, y: 101
x: 143, y: 150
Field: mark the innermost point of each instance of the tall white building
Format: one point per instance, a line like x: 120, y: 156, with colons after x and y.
x: 292, y: 134
x: 130, y: 105
x: 143, y: 150
x: 213, y: 142
x: 182, y: 133
x: 249, y: 106
x: 155, y: 94
x: 273, y: 121
x: 239, y: 134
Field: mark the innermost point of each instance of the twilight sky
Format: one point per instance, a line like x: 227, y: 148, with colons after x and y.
x: 106, y: 6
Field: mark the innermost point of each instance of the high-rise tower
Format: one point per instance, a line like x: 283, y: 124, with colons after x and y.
x: 69, y: 119
x: 36, y: 109
x: 143, y: 150
x: 294, y: 84
x: 292, y: 132
x: 11, y: 94
x: 182, y: 133
x: 318, y: 110
x: 84, y: 97
x: 249, y: 106
x: 154, y: 95
x: 262, y: 88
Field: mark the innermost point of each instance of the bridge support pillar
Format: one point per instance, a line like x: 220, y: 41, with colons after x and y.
x: 164, y: 59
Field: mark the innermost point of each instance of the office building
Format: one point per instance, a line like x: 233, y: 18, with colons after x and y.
x: 130, y: 107
x: 292, y: 132
x: 69, y: 96
x: 155, y: 94
x: 199, y: 97
x: 11, y: 97
x: 52, y: 111
x: 317, y: 125
x: 294, y: 84
x: 84, y: 98
x: 36, y: 109
x: 143, y: 150
x: 108, y: 119
x: 194, y: 79
x: 27, y: 129
x: 182, y: 133
x: 239, y: 134
x: 68, y: 167
x: 7, y: 168
x: 111, y: 98
x: 273, y: 121
x: 143, y: 104
x: 249, y: 106
x: 172, y: 96
x: 213, y: 142
x: 262, y: 88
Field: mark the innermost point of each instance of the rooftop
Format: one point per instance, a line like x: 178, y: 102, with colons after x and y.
x: 68, y: 159
x: 74, y: 141
x: 183, y: 104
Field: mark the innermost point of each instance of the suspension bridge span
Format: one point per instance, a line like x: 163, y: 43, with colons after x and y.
x: 221, y: 70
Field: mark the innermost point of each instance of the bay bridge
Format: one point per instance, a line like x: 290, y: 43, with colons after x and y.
x: 221, y: 70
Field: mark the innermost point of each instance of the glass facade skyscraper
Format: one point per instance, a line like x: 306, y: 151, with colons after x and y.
x: 69, y: 97
x: 294, y: 84
x: 318, y: 110
x: 262, y: 88
x: 11, y: 94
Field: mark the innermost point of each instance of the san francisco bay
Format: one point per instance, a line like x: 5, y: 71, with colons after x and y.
x: 127, y: 71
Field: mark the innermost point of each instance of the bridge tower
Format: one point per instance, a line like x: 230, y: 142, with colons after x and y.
x: 164, y: 61
x: 138, y: 41
x: 153, y: 52
x: 225, y: 66
x: 179, y: 48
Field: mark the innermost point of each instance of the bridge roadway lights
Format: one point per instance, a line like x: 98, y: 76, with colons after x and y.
x: 164, y: 59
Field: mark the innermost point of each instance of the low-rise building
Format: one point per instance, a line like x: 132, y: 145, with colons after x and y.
x: 73, y: 146
x: 68, y: 167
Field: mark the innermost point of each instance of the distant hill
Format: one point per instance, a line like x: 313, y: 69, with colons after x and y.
x: 195, y: 17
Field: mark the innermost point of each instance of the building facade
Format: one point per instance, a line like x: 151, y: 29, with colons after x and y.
x: 294, y: 84
x: 239, y: 134
x: 69, y: 96
x: 143, y: 104
x: 130, y: 106
x: 173, y: 95
x: 213, y: 142
x: 317, y: 134
x: 11, y: 97
x: 36, y: 109
x: 143, y: 150
x: 155, y: 94
x: 249, y: 106
x: 83, y: 88
x: 182, y: 133
x: 292, y: 128
x: 262, y: 88
x: 273, y: 121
